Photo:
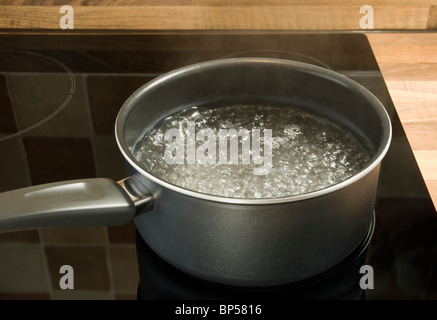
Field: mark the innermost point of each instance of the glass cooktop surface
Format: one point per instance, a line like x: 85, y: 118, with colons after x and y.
x: 70, y: 87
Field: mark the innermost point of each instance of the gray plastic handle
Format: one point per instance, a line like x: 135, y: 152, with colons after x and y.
x: 75, y: 203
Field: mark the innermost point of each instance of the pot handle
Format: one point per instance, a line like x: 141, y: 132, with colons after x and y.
x: 74, y: 203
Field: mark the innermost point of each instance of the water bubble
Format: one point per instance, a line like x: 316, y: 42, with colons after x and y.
x: 308, y: 153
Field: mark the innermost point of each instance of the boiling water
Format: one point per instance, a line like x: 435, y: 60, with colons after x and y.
x: 307, y: 153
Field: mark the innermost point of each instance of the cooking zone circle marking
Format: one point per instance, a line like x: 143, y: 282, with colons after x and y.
x: 60, y: 108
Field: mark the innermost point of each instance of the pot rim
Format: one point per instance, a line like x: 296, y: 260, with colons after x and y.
x: 372, y: 164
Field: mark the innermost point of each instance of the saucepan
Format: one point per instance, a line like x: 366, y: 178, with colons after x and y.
x: 231, y: 241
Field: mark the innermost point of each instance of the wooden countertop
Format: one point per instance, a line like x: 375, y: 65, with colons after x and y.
x: 408, y: 62
x: 219, y: 14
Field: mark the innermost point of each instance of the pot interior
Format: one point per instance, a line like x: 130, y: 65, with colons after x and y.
x: 280, y: 83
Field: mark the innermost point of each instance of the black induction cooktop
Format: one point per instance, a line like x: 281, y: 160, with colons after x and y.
x: 402, y: 247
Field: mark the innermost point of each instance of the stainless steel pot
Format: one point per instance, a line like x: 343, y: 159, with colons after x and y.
x: 241, y: 242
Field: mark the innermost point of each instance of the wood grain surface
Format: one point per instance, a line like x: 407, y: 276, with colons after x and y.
x: 408, y: 62
x: 218, y: 14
